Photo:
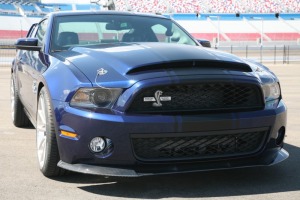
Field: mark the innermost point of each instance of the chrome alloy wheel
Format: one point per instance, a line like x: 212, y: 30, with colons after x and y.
x: 12, y: 99
x: 41, y: 131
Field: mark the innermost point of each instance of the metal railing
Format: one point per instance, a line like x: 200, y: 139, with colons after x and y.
x: 7, y: 53
x: 284, y: 54
x: 266, y: 54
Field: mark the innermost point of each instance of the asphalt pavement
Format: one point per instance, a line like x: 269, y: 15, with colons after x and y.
x: 20, y: 177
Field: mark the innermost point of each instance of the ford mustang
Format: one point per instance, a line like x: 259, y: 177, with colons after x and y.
x: 127, y: 94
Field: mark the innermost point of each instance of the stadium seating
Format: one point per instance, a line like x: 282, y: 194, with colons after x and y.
x: 210, y: 6
x: 7, y: 7
x: 246, y: 27
x: 83, y: 6
x: 46, y: 9
x: 28, y: 8
x: 64, y: 7
x: 87, y: 7
x: 179, y: 6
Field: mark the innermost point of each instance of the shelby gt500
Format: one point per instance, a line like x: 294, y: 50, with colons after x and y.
x: 126, y: 94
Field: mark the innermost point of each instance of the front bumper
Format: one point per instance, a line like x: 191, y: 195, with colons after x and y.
x: 121, y: 172
x: 76, y: 156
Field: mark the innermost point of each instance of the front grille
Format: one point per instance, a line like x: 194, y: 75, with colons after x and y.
x: 198, y: 147
x: 200, y: 97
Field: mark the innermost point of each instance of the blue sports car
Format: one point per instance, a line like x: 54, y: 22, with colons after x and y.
x: 126, y: 94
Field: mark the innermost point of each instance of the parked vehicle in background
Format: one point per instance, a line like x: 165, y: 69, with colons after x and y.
x: 204, y: 42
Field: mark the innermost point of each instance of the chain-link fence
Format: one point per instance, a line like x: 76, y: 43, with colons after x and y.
x: 7, y: 53
x: 267, y: 54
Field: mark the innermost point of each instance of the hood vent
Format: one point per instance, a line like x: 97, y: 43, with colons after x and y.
x: 204, y: 64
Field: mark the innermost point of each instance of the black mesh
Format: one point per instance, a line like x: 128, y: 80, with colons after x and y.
x: 201, y: 97
x: 198, y: 147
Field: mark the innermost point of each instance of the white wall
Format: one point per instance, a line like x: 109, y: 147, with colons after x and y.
x: 17, y: 23
x: 291, y: 26
x: 239, y: 26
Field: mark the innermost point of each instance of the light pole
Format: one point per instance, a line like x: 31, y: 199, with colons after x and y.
x: 261, y: 32
x: 218, y: 34
x: 21, y: 28
x: 261, y: 35
x: 261, y: 29
x: 109, y: 4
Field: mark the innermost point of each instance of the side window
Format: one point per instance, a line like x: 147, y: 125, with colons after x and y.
x: 32, y: 31
x: 160, y: 32
x: 173, y: 35
x: 75, y: 33
x: 41, y: 31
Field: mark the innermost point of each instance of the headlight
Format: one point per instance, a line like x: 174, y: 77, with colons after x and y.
x: 272, y: 94
x: 95, y: 97
x: 271, y: 91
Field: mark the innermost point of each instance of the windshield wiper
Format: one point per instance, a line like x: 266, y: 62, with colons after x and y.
x: 57, y: 50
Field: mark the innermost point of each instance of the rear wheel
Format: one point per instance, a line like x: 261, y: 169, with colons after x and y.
x: 18, y: 115
x: 47, y: 150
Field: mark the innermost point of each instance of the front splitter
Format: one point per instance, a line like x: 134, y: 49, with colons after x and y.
x: 120, y: 172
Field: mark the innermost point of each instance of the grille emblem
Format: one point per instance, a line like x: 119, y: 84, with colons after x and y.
x: 157, y: 99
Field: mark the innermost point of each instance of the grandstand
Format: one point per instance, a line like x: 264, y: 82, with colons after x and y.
x: 34, y: 7
x: 7, y: 8
x: 210, y: 6
x: 236, y: 26
x: 217, y: 20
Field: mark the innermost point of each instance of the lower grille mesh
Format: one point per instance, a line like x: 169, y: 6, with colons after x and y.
x: 197, y: 147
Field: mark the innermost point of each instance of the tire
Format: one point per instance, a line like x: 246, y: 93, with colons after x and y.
x: 47, y: 150
x: 18, y: 115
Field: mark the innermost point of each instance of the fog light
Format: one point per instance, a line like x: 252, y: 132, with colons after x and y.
x: 97, y: 144
x: 280, y: 136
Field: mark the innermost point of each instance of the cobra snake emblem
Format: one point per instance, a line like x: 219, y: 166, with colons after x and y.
x: 157, y: 96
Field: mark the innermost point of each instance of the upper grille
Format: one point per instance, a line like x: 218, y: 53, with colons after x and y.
x: 201, y: 97
x: 198, y: 147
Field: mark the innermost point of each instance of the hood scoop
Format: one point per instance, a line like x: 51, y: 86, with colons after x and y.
x: 188, y: 65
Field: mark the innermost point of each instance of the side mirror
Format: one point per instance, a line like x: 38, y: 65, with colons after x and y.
x: 204, y: 43
x: 30, y: 44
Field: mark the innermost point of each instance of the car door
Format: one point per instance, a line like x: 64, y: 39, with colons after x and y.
x: 30, y: 65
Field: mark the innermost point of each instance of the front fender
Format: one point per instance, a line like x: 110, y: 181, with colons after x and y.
x: 62, y: 79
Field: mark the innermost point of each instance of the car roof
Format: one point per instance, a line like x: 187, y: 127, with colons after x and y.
x: 70, y: 13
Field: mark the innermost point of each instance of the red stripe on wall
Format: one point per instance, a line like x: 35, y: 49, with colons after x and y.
x: 283, y: 36
x: 12, y: 34
x: 207, y: 36
x: 243, y: 36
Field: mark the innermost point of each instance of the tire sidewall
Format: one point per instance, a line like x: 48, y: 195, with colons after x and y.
x: 19, y: 117
x: 45, y: 96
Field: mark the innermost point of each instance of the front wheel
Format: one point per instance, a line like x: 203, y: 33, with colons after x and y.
x: 47, y: 150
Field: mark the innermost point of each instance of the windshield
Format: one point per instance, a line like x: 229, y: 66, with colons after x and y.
x: 84, y: 30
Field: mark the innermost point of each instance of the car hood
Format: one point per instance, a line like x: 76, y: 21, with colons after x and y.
x: 123, y: 64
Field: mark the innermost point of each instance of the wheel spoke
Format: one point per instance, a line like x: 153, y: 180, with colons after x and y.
x: 41, y: 116
x: 42, y: 111
x: 42, y: 156
x: 12, y: 99
x: 42, y: 128
x: 41, y: 131
x: 42, y: 145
